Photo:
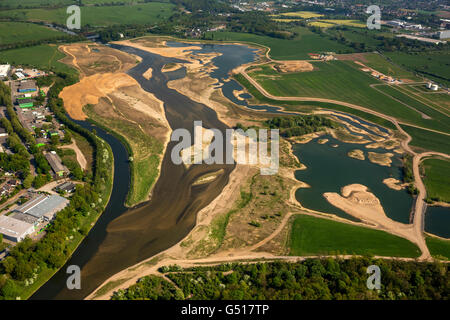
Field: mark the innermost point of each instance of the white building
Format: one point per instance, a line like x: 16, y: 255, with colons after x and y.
x: 15, y: 230
x: 4, y: 70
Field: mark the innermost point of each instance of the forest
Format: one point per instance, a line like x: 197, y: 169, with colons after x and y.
x: 311, y: 279
x: 299, y: 125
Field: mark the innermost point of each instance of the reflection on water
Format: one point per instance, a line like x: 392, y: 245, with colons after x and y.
x: 437, y: 221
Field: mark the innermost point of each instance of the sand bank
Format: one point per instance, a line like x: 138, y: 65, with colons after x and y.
x: 356, y: 154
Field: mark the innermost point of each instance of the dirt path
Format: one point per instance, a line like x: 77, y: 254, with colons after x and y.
x: 423, y: 115
x: 80, y: 156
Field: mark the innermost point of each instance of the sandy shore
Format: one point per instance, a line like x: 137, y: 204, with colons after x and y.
x: 395, y: 184
x: 356, y: 154
x: 356, y: 200
x: 383, y: 159
x: 148, y: 74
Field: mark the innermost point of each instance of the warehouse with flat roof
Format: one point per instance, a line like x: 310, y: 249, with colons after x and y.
x: 14, y: 229
x: 43, y: 207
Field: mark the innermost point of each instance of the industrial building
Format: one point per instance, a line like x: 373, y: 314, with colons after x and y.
x: 14, y: 229
x: 4, y: 70
x: 68, y: 187
x: 55, y: 162
x: 27, y: 86
x: 43, y: 208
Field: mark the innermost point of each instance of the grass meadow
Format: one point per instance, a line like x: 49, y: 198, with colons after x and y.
x: 99, y: 16
x: 316, y: 236
x: 437, y: 179
x: 298, y: 48
x: 13, y: 32
x: 43, y: 57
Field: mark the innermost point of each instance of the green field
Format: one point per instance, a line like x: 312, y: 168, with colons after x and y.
x: 307, y: 106
x: 439, y: 247
x: 437, y: 179
x: 428, y: 140
x: 379, y: 63
x: 42, y: 57
x: 13, y: 32
x: 281, y: 49
x: 99, y: 16
x: 316, y: 236
x: 343, y: 81
x: 434, y: 65
x: 47, y: 3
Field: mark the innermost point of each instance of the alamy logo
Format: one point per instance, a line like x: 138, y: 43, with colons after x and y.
x: 374, y: 21
x: 374, y: 280
x: 74, y: 20
x: 249, y: 147
x: 74, y: 280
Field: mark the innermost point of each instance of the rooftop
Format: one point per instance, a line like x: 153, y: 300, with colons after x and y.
x: 13, y: 227
x: 41, y: 205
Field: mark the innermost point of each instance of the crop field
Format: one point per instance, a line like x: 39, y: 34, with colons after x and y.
x: 428, y: 140
x: 99, y: 16
x: 56, y: 3
x: 302, y: 14
x: 436, y: 179
x: 441, y: 121
x: 343, y: 81
x: 381, y: 64
x: 434, y: 65
x: 321, y: 24
x: 349, y: 23
x: 281, y: 49
x: 42, y: 57
x: 315, y: 236
x: 13, y: 32
x: 435, y: 100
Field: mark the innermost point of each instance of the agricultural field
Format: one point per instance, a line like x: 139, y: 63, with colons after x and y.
x: 381, y: 64
x: 281, y: 49
x: 343, y: 81
x: 13, y: 32
x: 43, y: 57
x: 436, y: 179
x: 316, y: 236
x: 428, y: 140
x: 57, y: 3
x: 99, y: 16
x: 434, y: 65
x: 348, y: 23
x: 301, y: 14
x: 440, y: 119
x: 439, y: 101
x: 321, y: 24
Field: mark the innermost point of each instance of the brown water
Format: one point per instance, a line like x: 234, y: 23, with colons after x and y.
x: 123, y: 237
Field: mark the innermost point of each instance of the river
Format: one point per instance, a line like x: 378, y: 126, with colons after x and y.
x: 125, y: 236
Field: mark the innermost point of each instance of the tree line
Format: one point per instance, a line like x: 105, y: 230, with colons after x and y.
x: 312, y: 279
